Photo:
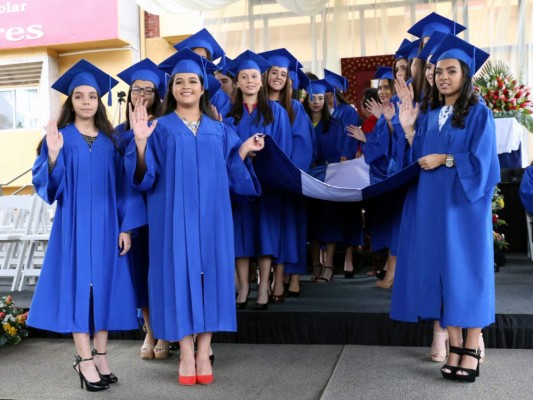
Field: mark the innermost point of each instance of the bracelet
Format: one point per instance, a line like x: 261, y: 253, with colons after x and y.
x: 410, y: 135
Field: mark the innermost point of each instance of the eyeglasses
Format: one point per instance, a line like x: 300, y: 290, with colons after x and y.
x: 147, y: 90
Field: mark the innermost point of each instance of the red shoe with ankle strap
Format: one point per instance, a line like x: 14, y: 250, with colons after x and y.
x: 204, y: 379
x: 187, y: 380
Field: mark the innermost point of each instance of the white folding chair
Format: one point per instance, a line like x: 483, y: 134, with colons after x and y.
x: 18, y: 212
x: 35, y: 243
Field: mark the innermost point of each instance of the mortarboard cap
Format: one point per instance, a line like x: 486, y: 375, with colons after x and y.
x: 188, y: 61
x: 302, y: 79
x: 145, y: 70
x: 405, y: 42
x: 409, y: 51
x: 281, y: 58
x: 435, y: 23
x: 339, y: 82
x: 84, y: 73
x: 222, y: 66
x: 384, y: 73
x: 454, y: 48
x: 204, y: 40
x: 434, y: 41
x: 318, y: 86
x: 248, y: 60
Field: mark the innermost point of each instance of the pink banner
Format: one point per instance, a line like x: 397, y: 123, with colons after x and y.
x: 33, y: 23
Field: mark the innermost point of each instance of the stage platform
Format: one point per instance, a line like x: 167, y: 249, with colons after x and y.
x: 355, y: 312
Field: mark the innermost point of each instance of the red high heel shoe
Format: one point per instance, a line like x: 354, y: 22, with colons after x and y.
x: 187, y: 380
x: 204, y: 379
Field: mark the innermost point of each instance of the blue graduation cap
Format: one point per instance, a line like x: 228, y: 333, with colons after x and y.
x: 435, y: 22
x: 248, y: 60
x: 302, y: 80
x: 339, y: 82
x: 145, y: 70
x: 318, y: 86
x: 188, y: 61
x: 454, y: 48
x: 405, y: 42
x: 204, y: 40
x: 84, y: 73
x: 434, y: 41
x: 384, y: 73
x: 409, y: 50
x: 281, y: 58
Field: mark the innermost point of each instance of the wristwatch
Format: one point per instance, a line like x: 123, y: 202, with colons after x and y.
x: 450, y: 161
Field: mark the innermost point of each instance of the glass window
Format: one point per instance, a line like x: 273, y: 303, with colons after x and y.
x: 18, y: 109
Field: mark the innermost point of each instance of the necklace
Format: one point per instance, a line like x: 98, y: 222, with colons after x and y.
x: 192, y: 125
x: 444, y: 114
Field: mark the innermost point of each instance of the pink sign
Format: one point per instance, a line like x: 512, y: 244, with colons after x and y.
x: 33, y: 23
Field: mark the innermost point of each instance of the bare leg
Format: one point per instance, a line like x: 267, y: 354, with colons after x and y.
x: 83, y: 347
x: 348, y: 259
x: 100, y: 345
x: 388, y: 280
x: 438, y: 344
x: 203, y: 365
x: 327, y: 271
x: 472, y: 342
x: 294, y: 283
x: 317, y: 262
x: 265, y: 263
x: 187, y: 365
x: 455, y: 335
x: 278, y: 288
x: 243, y: 271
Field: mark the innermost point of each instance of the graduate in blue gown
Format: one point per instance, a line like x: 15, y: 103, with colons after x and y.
x: 258, y: 224
x: 85, y: 286
x: 526, y: 190
x: 293, y: 259
x: 455, y: 256
x: 147, y: 83
x: 187, y: 162
x: 328, y: 223
x: 347, y: 115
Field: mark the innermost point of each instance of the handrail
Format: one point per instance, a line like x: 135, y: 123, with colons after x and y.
x: 13, y: 180
x: 22, y: 188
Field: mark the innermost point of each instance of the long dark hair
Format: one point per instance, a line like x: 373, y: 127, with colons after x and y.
x: 467, y: 98
x: 67, y: 116
x: 427, y: 92
x: 285, y: 94
x: 263, y: 107
x: 340, y: 97
x: 154, y: 109
x: 325, y: 116
x: 170, y: 104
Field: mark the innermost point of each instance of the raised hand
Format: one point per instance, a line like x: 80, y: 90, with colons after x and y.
x: 402, y: 89
x: 139, y: 121
x: 356, y: 132
x: 215, y: 112
x: 408, y: 115
x: 54, y: 140
x: 388, y: 111
x: 252, y: 145
x: 374, y: 108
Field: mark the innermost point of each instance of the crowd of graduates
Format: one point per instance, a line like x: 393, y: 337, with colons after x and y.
x: 175, y: 183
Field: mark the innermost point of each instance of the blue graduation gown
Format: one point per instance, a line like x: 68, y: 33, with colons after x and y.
x: 526, y: 190
x: 347, y: 115
x: 188, y: 182
x: 294, y: 220
x: 221, y: 101
x: 258, y: 223
x: 138, y: 254
x: 331, y: 222
x: 455, y: 255
x: 94, y: 205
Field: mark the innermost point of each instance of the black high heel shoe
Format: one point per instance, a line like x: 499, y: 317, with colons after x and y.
x: 348, y: 274
x: 471, y: 374
x: 453, y: 369
x: 90, y: 386
x: 109, y: 378
x: 242, y: 306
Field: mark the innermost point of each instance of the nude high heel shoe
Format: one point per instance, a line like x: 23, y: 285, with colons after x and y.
x: 439, y: 346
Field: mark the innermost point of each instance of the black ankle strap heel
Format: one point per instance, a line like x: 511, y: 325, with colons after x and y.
x: 109, y: 378
x: 470, y: 374
x: 452, y: 369
x: 90, y: 386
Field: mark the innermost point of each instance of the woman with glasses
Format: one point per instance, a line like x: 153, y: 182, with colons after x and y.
x: 147, y: 85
